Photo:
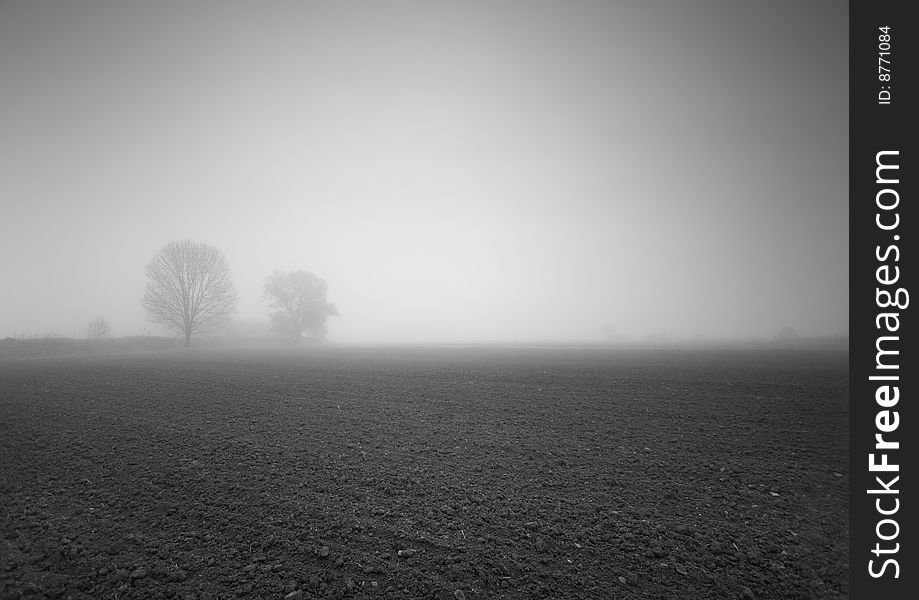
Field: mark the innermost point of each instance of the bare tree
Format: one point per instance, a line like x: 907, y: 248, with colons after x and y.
x: 98, y: 329
x: 189, y: 288
x: 300, y: 304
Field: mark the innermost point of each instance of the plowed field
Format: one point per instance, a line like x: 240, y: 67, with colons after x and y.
x: 436, y: 472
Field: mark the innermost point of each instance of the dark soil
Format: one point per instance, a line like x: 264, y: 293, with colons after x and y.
x: 425, y: 473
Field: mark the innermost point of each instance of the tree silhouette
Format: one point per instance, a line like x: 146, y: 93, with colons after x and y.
x: 98, y: 329
x: 188, y: 288
x: 299, y: 300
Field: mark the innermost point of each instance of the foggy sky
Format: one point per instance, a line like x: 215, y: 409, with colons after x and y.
x: 456, y: 171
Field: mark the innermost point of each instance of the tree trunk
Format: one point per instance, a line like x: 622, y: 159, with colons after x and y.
x: 187, y: 339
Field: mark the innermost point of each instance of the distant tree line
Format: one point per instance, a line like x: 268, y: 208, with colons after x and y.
x: 189, y: 289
